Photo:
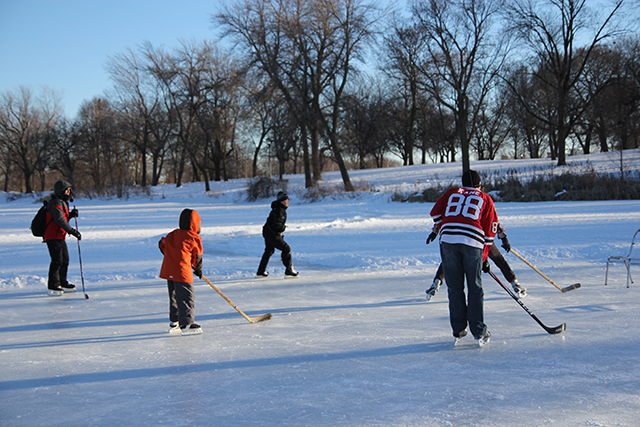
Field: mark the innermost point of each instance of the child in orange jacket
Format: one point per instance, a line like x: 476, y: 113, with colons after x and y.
x: 182, y: 249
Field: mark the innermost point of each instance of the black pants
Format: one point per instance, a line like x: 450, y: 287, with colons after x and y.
x: 498, y: 259
x: 59, y: 263
x: 271, y: 243
x: 182, y: 303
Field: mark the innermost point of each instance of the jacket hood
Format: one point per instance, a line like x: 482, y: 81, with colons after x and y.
x: 60, y: 187
x: 190, y: 220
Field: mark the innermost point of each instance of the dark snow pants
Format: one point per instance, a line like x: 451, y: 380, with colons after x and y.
x: 272, y: 242
x: 182, y: 303
x: 59, y: 262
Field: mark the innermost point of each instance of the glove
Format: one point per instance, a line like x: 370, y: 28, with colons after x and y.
x: 76, y: 234
x: 485, y: 266
x: 432, y: 237
x: 505, y: 244
x: 198, y: 273
x: 73, y: 213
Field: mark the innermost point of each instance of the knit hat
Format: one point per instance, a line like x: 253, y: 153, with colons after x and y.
x: 282, y: 196
x: 471, y: 178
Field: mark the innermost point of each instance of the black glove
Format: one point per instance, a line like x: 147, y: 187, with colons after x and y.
x: 432, y: 237
x: 76, y: 234
x: 505, y: 244
x: 73, y: 213
x: 485, y: 266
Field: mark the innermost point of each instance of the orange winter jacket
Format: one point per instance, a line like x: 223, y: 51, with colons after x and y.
x: 182, y: 249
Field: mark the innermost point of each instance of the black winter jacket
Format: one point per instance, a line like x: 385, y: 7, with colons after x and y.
x: 277, y: 218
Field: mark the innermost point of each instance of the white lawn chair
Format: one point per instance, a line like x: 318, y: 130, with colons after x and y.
x: 627, y: 260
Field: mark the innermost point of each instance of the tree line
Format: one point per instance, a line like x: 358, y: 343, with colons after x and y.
x: 299, y: 86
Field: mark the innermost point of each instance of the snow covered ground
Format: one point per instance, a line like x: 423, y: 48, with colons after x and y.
x: 352, y: 341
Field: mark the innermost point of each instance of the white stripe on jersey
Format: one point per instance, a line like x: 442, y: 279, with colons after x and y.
x: 464, y: 234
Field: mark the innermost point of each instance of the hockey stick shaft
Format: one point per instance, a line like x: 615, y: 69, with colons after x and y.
x: 568, y: 288
x: 249, y: 319
x: 556, y: 330
x: 80, y: 260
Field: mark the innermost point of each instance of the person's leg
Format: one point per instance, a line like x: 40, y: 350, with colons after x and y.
x: 439, y: 274
x: 64, y: 267
x: 502, y: 264
x: 454, y: 276
x: 475, y: 308
x: 437, y: 282
x: 269, y: 249
x: 185, y: 298
x: 173, y: 304
x: 57, y: 260
x: 279, y: 243
x: 507, y: 272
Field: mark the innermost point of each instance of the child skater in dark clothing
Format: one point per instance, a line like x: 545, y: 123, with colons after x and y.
x: 182, y: 250
x: 273, y: 238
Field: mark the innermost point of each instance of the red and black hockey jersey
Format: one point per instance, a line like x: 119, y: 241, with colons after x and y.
x: 466, y: 216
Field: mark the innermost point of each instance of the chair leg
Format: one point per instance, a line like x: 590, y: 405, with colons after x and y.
x: 606, y: 274
x: 629, y: 280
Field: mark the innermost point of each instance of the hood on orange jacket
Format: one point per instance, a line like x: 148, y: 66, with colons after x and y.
x: 182, y: 249
x: 190, y: 220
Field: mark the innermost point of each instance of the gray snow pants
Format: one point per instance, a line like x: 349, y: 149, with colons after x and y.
x: 182, y: 303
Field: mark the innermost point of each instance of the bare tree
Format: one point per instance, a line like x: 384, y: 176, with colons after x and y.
x: 463, y: 56
x: 307, y: 48
x: 404, y: 49
x: 551, y: 29
x: 140, y: 103
x: 99, y: 144
x: 25, y: 121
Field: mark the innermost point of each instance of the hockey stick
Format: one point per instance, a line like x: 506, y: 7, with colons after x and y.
x: 568, y: 288
x: 556, y: 330
x: 250, y: 319
x: 80, y: 258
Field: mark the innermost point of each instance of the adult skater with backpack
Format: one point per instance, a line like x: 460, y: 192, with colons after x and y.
x: 273, y: 238
x: 495, y: 256
x: 182, y: 250
x: 468, y: 223
x: 55, y: 232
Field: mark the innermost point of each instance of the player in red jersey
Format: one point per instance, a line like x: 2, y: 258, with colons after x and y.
x: 468, y: 224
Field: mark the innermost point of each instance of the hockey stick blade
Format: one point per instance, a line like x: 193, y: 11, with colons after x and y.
x: 262, y: 318
x: 556, y: 330
x: 570, y: 288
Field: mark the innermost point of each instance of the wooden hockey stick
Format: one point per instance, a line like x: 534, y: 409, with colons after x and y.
x: 262, y: 318
x: 567, y: 289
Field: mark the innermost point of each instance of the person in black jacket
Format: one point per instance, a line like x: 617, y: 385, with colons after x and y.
x: 57, y: 219
x: 273, y: 238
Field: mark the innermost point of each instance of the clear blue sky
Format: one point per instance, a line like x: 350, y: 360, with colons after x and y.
x: 64, y: 44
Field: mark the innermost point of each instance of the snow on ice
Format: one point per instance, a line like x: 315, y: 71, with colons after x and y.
x: 352, y: 341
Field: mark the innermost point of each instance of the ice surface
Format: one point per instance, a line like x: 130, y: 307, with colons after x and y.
x: 352, y: 341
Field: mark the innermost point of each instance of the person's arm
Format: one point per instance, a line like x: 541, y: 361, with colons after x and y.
x: 56, y: 209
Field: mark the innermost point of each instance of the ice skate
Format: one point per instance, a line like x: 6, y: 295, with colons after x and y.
x: 518, y: 289
x: 291, y: 272
x: 68, y: 288
x: 434, y: 288
x: 192, y: 329
x: 484, y: 340
x: 55, y: 291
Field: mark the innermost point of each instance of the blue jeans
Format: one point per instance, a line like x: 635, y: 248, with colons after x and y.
x: 460, y: 261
